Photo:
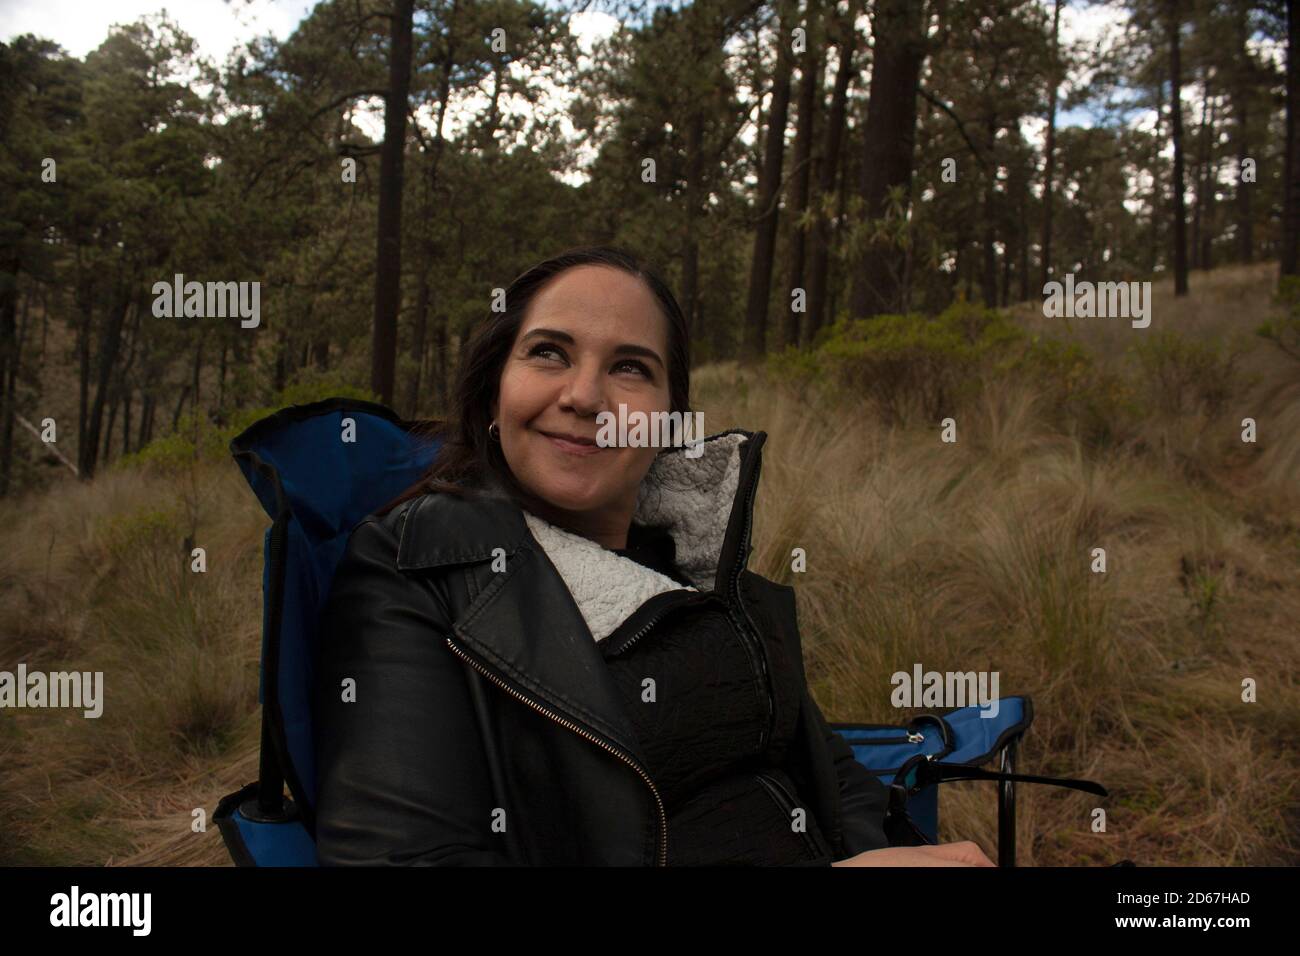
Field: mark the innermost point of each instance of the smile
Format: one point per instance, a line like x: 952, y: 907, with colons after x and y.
x: 571, y: 447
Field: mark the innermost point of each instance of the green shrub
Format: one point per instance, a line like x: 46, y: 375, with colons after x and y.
x: 917, y: 363
x: 793, y: 365
x: 1183, y: 376
x: 925, y: 365
x: 205, y: 439
x: 1284, y: 330
x: 1076, y: 390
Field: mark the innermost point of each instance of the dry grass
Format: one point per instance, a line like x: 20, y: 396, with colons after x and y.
x: 976, y: 555
x: 973, y: 555
x: 96, y: 577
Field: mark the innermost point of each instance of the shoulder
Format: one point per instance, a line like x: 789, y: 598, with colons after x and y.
x: 775, y: 602
x: 758, y: 585
x: 438, y: 529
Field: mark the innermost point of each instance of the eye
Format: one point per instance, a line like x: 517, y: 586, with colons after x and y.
x: 541, y: 347
x: 639, y: 366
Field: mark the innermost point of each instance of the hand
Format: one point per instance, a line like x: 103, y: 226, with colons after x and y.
x: 966, y: 853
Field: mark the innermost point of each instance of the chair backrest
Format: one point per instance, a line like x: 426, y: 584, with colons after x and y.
x: 317, y: 470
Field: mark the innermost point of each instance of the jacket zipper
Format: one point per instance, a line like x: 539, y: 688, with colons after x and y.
x: 753, y: 644
x: 746, y: 625
x: 703, y: 598
x: 663, y: 818
x: 749, y: 634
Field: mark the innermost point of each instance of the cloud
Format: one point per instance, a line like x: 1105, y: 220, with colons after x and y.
x: 217, y: 26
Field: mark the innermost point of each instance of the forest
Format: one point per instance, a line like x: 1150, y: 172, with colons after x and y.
x: 1008, y: 283
x: 822, y: 160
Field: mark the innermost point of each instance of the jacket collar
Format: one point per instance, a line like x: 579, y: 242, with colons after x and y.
x: 700, y: 501
x: 706, y: 504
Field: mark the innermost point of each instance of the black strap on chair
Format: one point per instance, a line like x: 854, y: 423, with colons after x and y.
x: 926, y: 771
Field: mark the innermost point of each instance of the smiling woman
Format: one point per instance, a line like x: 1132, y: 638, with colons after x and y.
x: 593, y: 338
x: 559, y: 656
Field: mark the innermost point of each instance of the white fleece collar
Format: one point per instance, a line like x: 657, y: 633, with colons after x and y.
x: 691, y: 498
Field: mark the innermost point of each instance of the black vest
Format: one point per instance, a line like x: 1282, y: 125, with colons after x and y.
x: 716, y: 726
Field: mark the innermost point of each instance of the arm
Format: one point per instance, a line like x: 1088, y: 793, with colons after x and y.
x: 863, y: 798
x: 402, y: 778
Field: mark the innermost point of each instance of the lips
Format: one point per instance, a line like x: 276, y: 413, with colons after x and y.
x: 572, y: 444
x: 571, y: 439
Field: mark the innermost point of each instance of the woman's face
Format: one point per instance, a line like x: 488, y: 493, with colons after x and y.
x: 592, y: 338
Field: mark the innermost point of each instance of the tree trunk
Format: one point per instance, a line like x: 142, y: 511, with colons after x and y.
x: 45, y: 325
x: 1291, y: 164
x: 388, y: 267
x: 1024, y: 239
x: 86, y: 307
x: 126, y: 423
x: 109, y: 344
x: 1176, y: 135
x: 1245, y: 227
x: 754, y: 344
x: 826, y: 177
x: 694, y: 202
x: 840, y: 282
x: 1204, y: 185
x: 889, y: 138
x: 989, y: 276
x: 1006, y: 276
x: 442, y: 385
x: 810, y: 84
x: 1049, y: 151
x: 121, y: 389
x: 428, y: 252
x: 115, y: 402
x: 1157, y: 188
x: 1209, y: 231
x: 421, y: 323
x: 10, y: 363
x: 198, y: 368
x: 146, y: 421
x: 180, y: 403
x: 697, y: 179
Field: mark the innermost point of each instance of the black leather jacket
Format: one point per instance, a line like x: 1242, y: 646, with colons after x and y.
x: 485, y: 728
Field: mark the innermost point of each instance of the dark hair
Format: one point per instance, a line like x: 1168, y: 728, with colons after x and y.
x: 468, y: 459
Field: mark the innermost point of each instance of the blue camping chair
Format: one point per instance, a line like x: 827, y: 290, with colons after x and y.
x: 316, y: 490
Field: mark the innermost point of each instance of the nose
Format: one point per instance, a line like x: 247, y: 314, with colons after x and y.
x: 584, y: 391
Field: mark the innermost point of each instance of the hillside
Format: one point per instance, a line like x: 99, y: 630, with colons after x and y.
x: 973, y: 554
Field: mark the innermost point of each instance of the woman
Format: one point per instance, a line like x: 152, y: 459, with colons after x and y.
x: 551, y: 652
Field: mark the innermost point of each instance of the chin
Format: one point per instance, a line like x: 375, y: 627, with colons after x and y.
x: 570, y: 496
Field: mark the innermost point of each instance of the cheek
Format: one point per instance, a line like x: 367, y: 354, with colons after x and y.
x: 644, y: 458
x: 516, y: 395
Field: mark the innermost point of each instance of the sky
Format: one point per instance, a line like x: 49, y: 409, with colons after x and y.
x: 218, y: 26
x: 79, y: 26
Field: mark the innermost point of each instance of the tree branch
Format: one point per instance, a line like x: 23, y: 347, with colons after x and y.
x: 49, y: 446
x: 961, y: 126
x: 350, y: 95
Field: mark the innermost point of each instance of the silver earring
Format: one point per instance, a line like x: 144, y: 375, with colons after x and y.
x: 494, y: 432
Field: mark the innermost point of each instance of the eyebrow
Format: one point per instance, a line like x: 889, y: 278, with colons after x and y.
x: 625, y: 349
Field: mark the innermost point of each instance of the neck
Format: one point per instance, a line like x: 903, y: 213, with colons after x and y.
x: 606, y: 528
